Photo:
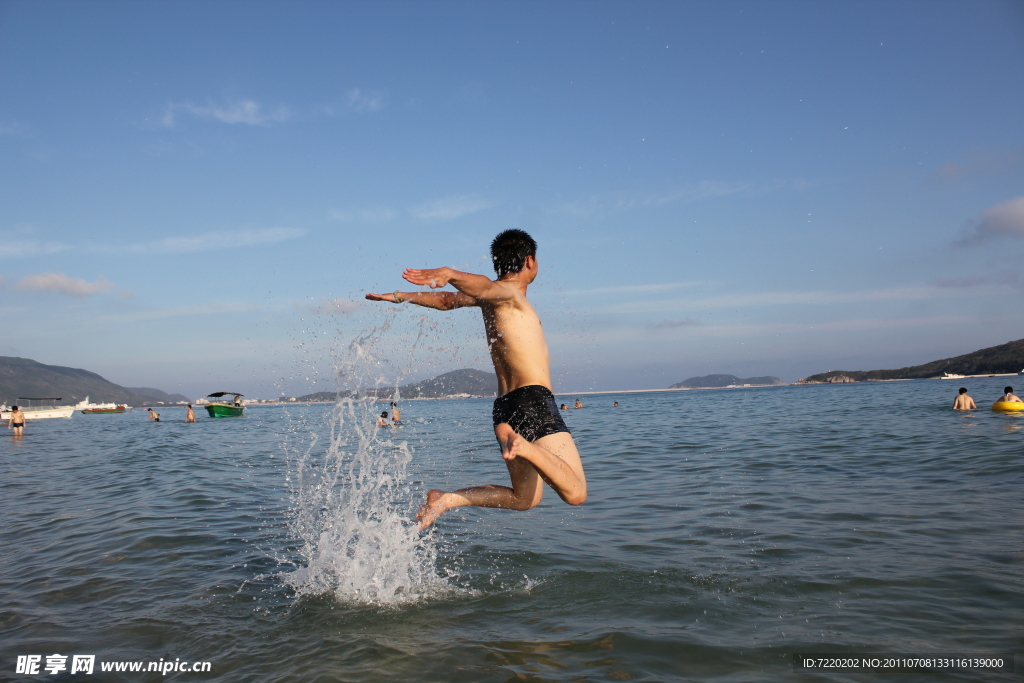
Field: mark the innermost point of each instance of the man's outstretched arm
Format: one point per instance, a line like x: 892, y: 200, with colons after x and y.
x: 442, y: 301
x: 478, y: 287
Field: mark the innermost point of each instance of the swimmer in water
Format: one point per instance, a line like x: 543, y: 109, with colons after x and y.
x: 535, y: 443
x: 16, y: 421
x: 382, y: 421
x: 153, y: 415
x: 578, y: 404
x: 963, y: 401
x: 615, y: 405
x: 1009, y: 396
x: 396, y: 414
x: 190, y: 416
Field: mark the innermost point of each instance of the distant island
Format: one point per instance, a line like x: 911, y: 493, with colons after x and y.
x: 996, y: 360
x: 725, y: 381
x: 464, y: 382
x: 22, y: 377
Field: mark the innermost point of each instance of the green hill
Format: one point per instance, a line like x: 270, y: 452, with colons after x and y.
x: 995, y: 360
x: 454, y: 383
x: 722, y: 381
x: 22, y: 377
x: 156, y: 395
x: 465, y: 381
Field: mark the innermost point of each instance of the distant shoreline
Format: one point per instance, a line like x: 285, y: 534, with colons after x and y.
x: 628, y: 391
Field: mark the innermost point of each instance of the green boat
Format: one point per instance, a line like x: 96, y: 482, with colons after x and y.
x: 222, y: 408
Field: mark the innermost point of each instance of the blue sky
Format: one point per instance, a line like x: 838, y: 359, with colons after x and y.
x: 195, y: 196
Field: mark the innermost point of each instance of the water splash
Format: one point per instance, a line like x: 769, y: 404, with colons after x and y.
x: 352, y: 505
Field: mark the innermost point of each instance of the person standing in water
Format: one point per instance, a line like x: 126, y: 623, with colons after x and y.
x: 153, y: 415
x: 16, y: 421
x: 579, y: 404
x: 535, y: 443
x: 190, y: 416
x: 396, y: 414
x: 963, y: 401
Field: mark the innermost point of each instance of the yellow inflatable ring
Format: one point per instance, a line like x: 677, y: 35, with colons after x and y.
x: 1007, y: 406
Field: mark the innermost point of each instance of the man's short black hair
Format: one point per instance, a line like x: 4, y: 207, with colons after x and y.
x: 963, y: 390
x: 1008, y: 390
x: 509, y: 251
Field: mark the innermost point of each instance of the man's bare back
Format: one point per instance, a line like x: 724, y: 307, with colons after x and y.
x: 963, y: 401
x: 519, y: 352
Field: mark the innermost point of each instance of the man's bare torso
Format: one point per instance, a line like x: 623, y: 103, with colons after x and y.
x: 515, y: 338
x: 964, y: 402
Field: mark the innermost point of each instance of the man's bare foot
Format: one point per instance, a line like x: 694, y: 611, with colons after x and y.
x: 511, y: 443
x: 432, y: 509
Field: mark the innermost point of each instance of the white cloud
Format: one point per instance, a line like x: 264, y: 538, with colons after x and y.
x: 249, y: 112
x: 377, y: 215
x: 958, y: 282
x: 644, y: 289
x: 370, y: 101
x: 449, y: 208
x: 670, y: 324
x: 1001, y: 220
x: 213, y: 240
x: 634, y: 335
x: 338, y: 306
x: 781, y: 298
x: 979, y: 161
x: 705, y: 189
x: 58, y: 282
x: 14, y: 246
x: 1002, y: 278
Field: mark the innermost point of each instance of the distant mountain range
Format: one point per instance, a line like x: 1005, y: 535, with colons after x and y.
x: 722, y: 381
x: 995, y: 360
x: 455, y: 383
x: 22, y: 377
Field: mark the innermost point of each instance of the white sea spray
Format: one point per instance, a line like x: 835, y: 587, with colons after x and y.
x: 352, y: 506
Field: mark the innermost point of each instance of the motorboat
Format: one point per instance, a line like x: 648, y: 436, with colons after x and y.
x: 39, y: 409
x: 225, y: 408
x: 88, y: 408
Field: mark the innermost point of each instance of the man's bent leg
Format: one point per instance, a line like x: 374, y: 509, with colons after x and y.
x: 525, y: 493
x: 553, y: 456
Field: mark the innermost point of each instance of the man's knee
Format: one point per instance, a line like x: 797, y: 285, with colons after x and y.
x: 576, y: 498
x: 527, y: 502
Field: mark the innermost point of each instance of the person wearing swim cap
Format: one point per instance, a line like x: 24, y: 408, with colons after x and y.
x: 963, y: 401
x: 535, y: 443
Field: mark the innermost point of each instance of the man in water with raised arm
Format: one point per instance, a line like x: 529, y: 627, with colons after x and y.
x: 535, y: 443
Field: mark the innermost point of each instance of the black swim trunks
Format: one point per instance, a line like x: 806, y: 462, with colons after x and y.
x: 17, y: 424
x: 530, y: 411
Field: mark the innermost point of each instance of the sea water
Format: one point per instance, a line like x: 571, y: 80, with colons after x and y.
x: 725, y: 530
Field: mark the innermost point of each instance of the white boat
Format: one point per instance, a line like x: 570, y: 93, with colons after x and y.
x: 46, y: 408
x: 947, y: 375
x: 85, y: 405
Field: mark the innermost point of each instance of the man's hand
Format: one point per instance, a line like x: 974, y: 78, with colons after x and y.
x: 432, y: 277
x: 390, y: 297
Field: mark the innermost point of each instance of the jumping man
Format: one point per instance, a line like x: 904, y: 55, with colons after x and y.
x: 535, y: 443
